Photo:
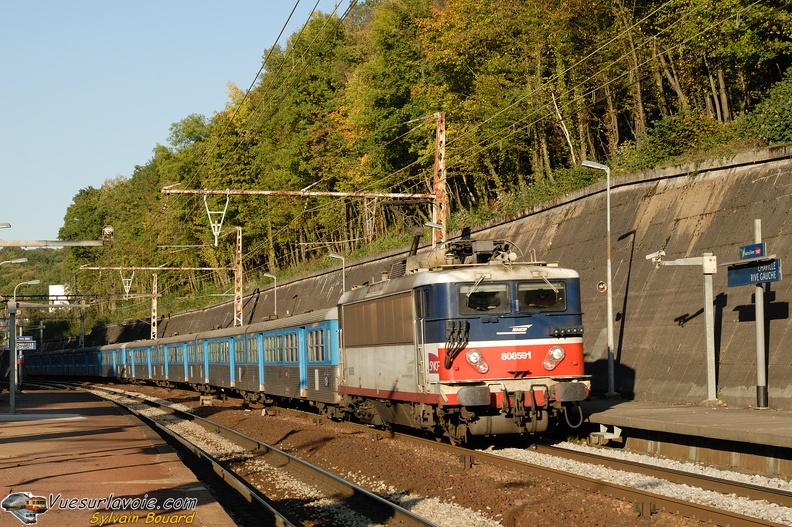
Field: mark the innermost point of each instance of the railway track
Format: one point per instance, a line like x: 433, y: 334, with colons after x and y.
x: 644, y: 501
x: 321, y: 497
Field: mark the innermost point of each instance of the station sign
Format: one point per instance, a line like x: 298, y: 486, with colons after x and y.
x: 25, y: 343
x: 755, y: 250
x: 752, y: 273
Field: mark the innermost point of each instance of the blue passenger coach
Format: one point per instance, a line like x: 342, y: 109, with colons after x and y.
x: 292, y: 358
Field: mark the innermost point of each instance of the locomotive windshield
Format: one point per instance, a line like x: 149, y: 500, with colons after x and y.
x: 475, y: 299
x: 541, y: 296
x: 495, y: 297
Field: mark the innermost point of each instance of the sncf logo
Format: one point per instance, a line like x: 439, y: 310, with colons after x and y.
x: 516, y: 330
x: 434, y: 363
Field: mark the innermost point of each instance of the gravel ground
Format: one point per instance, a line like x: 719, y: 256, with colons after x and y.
x: 432, y: 484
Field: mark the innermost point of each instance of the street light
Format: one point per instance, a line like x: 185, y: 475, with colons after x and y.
x: 106, y: 239
x: 30, y: 282
x: 343, y: 269
x: 12, y: 363
x: 275, y: 290
x: 611, y: 373
x: 15, y: 261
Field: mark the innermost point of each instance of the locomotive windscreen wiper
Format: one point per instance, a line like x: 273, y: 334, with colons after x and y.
x: 473, y: 290
x: 544, y: 277
x: 475, y: 285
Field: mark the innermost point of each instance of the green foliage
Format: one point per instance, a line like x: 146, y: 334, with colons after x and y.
x: 771, y: 120
x: 669, y: 139
x: 528, y: 90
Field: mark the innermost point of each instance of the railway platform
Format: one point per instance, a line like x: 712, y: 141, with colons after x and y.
x: 755, y: 440
x: 93, y: 465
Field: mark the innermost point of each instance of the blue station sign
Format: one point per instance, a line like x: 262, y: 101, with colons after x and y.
x: 755, y: 250
x: 754, y: 272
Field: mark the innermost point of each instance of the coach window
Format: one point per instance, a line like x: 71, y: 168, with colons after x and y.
x: 316, y: 346
x: 272, y: 348
x: 239, y: 350
x: 541, y: 296
x: 252, y: 349
x: 290, y: 347
x: 211, y: 351
x: 475, y: 299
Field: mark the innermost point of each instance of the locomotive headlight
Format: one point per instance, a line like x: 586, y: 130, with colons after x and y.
x: 557, y: 353
x: 474, y: 357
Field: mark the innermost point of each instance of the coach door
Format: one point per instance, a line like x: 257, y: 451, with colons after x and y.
x: 421, y: 302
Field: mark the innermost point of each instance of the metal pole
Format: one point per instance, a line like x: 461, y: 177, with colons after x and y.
x: 441, y: 198
x: 239, y: 318
x: 611, y: 366
x: 12, y: 309
x: 709, y: 322
x: 154, y: 315
x: 761, y: 366
x: 17, y: 365
x: 709, y: 264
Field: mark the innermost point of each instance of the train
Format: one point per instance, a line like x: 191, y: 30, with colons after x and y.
x: 458, y: 342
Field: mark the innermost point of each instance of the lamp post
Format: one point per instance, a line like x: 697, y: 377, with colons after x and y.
x: 107, y: 239
x: 611, y: 372
x: 343, y: 270
x: 15, y: 261
x: 275, y: 290
x: 12, y: 309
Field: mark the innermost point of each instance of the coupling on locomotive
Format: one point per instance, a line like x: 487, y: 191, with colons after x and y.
x: 461, y: 341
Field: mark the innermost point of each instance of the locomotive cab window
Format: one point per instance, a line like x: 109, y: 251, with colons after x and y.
x: 475, y: 299
x: 541, y: 296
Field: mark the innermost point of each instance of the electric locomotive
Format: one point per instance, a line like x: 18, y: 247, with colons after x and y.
x: 465, y: 341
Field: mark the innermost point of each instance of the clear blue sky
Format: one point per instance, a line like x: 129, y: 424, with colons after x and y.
x: 88, y: 88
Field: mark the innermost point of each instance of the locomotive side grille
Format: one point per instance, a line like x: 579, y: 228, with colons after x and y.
x: 398, y: 269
